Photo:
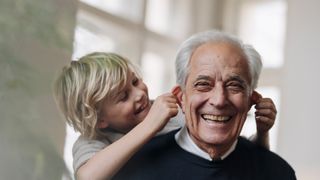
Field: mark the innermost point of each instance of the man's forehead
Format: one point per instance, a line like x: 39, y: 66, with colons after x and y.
x: 224, y: 69
x: 221, y: 53
x: 220, y: 46
x: 219, y: 58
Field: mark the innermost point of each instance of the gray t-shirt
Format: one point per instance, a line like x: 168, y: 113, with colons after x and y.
x: 84, y: 148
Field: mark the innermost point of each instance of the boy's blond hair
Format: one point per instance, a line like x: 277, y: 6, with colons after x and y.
x: 83, y: 85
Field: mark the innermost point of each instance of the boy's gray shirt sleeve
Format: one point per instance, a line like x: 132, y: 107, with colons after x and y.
x: 84, y: 148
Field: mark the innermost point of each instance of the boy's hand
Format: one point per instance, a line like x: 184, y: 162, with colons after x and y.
x: 164, y: 107
x: 265, y: 113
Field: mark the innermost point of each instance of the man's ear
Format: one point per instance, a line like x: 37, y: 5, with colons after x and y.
x: 102, y: 123
x: 177, y: 91
x: 255, y: 98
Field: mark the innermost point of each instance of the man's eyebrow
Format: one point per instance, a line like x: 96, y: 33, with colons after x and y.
x: 203, y: 77
x: 236, y: 78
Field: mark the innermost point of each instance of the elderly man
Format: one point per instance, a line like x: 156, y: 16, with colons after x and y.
x: 216, y: 75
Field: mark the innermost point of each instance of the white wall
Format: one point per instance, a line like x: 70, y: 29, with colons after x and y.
x: 299, y: 131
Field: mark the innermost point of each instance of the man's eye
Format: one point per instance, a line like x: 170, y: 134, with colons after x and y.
x: 202, y: 86
x: 235, y: 86
x: 201, y: 83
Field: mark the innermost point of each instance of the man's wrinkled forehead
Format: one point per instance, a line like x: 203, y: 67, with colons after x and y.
x: 221, y: 57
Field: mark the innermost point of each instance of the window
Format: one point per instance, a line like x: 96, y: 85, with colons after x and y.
x: 262, y: 23
x: 131, y: 10
x: 148, y: 32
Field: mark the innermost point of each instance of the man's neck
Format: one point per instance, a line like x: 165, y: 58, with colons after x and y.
x: 185, y: 141
x: 215, y: 151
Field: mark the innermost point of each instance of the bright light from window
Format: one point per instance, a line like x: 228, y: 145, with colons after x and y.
x: 153, y: 69
x: 71, y: 137
x: 169, y: 18
x: 131, y: 9
x: 87, y: 42
x: 262, y: 24
x: 157, y: 17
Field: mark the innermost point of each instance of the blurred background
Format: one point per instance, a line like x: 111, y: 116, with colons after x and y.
x: 38, y: 37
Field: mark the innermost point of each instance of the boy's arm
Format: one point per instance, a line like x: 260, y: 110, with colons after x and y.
x: 83, y: 149
x: 261, y: 140
x: 106, y: 163
x: 265, y: 116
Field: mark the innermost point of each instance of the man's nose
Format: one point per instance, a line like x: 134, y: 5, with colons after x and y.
x: 218, y: 97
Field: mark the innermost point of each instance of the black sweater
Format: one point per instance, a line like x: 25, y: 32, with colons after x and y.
x: 162, y: 158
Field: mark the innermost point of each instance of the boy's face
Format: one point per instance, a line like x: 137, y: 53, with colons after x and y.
x: 128, y: 108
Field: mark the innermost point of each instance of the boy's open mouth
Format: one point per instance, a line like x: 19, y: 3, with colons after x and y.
x: 141, y: 108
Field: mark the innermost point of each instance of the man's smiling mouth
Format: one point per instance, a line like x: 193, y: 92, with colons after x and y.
x: 215, y: 118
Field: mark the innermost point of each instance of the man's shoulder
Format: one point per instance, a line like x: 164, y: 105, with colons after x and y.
x: 264, y: 159
x: 259, y: 151
x: 157, y: 154
x: 161, y: 142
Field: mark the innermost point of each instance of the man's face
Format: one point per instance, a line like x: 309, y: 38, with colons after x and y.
x: 216, y: 96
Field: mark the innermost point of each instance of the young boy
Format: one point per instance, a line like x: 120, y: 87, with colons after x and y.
x: 103, y: 97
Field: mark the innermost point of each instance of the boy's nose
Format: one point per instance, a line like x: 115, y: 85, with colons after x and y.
x: 139, y: 94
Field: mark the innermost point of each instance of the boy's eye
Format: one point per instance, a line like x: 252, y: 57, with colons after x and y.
x: 135, y: 81
x: 123, y: 96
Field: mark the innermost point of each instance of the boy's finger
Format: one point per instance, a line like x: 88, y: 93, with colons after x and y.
x: 266, y: 112
x: 255, y: 98
x: 265, y: 104
x: 264, y: 120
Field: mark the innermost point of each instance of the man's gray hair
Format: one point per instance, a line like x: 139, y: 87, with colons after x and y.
x: 191, y: 44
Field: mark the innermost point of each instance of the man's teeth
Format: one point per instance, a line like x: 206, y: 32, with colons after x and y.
x: 215, y: 117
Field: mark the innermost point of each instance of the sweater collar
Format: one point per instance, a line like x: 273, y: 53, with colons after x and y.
x: 184, y: 140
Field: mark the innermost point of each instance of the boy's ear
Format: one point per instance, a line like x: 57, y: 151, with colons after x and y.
x: 102, y: 123
x: 177, y: 91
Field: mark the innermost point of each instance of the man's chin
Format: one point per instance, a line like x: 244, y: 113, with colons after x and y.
x: 214, y: 139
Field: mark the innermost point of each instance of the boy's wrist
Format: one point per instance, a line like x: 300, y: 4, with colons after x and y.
x: 262, y: 134
x: 149, y: 127
x: 262, y: 138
